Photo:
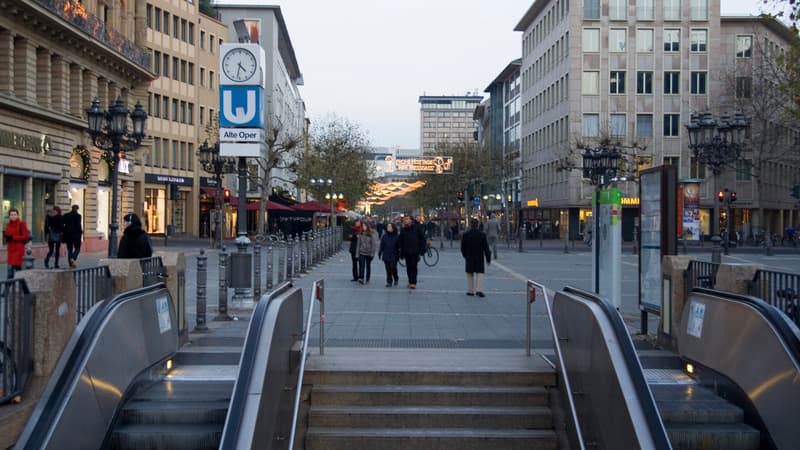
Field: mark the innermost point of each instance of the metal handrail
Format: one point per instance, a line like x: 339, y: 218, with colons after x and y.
x: 92, y: 285
x: 16, y: 336
x: 561, y: 367
x: 317, y: 293
x: 779, y: 289
x: 152, y: 270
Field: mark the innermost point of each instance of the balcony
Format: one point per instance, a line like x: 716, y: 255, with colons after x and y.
x: 74, y: 12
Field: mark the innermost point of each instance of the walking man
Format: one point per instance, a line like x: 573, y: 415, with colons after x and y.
x: 474, y: 248
x: 412, y: 245
x: 492, y: 233
x: 73, y: 232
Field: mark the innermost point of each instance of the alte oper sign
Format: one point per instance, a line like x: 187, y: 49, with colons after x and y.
x: 28, y: 143
x: 426, y: 164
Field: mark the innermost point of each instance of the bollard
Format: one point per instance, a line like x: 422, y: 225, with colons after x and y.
x: 302, y: 254
x: 289, y: 258
x: 222, y: 307
x: 282, y: 262
x: 27, y: 260
x: 312, y: 249
x: 269, y: 267
x: 256, y: 271
x: 716, y: 257
x: 200, y: 319
x: 520, y: 235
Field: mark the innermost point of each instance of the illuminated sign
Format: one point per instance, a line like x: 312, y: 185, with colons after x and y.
x: 426, y: 164
x: 630, y: 201
x: 25, y: 142
x: 534, y: 203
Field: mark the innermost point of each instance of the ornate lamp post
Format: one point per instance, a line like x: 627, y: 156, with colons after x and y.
x: 109, y: 131
x: 717, y: 143
x: 215, y: 164
x: 330, y: 195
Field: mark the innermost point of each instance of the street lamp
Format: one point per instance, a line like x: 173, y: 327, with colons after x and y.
x: 109, y: 131
x: 330, y: 196
x: 717, y: 143
x: 213, y: 163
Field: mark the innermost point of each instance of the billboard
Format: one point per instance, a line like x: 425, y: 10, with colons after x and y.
x: 426, y: 164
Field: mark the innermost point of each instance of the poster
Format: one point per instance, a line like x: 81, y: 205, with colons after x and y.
x: 650, y: 254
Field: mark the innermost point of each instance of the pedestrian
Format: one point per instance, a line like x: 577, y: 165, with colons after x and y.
x: 15, y: 236
x: 135, y: 242
x: 412, y: 245
x: 474, y: 247
x: 355, y: 231
x: 389, y: 253
x: 73, y: 232
x: 367, y: 243
x: 492, y: 233
x: 53, y: 229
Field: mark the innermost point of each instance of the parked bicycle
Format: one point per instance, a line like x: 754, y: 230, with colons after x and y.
x: 430, y: 257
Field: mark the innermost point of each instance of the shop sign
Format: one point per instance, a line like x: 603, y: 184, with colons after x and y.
x: 124, y: 166
x: 630, y: 201
x: 168, y: 179
x: 533, y: 203
x: 208, y: 182
x: 26, y: 142
x: 430, y: 164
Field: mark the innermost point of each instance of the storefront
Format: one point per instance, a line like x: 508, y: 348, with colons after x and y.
x: 166, y: 202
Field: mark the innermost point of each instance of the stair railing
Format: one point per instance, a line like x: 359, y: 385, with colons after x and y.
x: 572, y: 417
x: 317, y: 293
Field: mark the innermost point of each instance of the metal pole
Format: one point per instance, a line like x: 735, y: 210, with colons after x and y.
x: 200, y: 319
x: 218, y: 204
x: 112, y: 233
x: 269, y: 267
x: 322, y: 321
x: 256, y: 271
x: 241, y: 227
x: 727, y: 222
x: 222, y: 307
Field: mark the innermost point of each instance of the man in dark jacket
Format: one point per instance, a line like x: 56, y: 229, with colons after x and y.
x: 73, y: 232
x: 474, y: 247
x: 356, y: 230
x: 135, y: 242
x: 411, y: 244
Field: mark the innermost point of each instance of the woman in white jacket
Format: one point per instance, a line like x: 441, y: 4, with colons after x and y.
x: 366, y: 251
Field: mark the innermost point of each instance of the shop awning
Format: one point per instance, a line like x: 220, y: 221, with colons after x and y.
x: 313, y: 206
x: 255, y: 206
x: 209, y: 191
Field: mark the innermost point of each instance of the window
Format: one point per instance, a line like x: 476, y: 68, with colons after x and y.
x: 190, y: 114
x: 672, y: 161
x: 191, y: 74
x: 699, y: 9
x: 191, y: 156
x: 156, y: 105
x: 644, y: 125
x: 157, y: 18
x: 698, y: 83
x: 591, y: 83
x: 165, y: 30
x: 744, y: 170
x: 672, y: 81
x: 174, y: 109
x: 165, y: 65
x: 618, y: 125
x: 157, y: 62
x: 202, y: 115
x: 618, y: 9
x: 699, y: 40
x: 644, y: 40
x: 211, y: 43
x: 744, y: 46
x: 191, y: 33
x: 149, y: 16
x: 617, y: 82
x: 697, y: 169
x: 202, y: 76
x: 156, y: 152
x: 644, y: 82
x: 211, y: 79
x: 182, y: 115
x: 202, y: 39
x: 184, y: 25
x: 591, y: 125
x: 183, y: 71
x: 672, y: 9
x: 165, y: 108
x: 617, y: 39
x: 591, y: 9
x: 744, y: 87
x: 175, y: 29
x: 672, y: 127
x: 672, y: 40
x: 591, y: 39
x: 644, y: 9
x: 175, y: 73
x: 174, y: 155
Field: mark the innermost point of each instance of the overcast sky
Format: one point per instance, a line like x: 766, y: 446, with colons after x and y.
x: 370, y: 60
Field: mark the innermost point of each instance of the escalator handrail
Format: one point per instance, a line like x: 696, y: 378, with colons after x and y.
x: 633, y: 366
x: 247, y: 362
x: 49, y: 411
x: 785, y: 329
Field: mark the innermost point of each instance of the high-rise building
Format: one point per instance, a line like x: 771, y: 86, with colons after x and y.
x: 446, y: 120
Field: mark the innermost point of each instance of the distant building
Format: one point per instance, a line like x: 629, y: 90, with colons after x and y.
x: 446, y: 120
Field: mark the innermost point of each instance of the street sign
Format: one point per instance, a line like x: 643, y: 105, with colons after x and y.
x: 476, y: 201
x: 241, y: 134
x: 250, y: 150
x: 241, y: 106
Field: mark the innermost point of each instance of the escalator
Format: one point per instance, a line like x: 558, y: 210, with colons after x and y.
x: 123, y: 383
x: 727, y: 387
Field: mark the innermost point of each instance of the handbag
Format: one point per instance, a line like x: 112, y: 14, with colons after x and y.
x: 55, y: 236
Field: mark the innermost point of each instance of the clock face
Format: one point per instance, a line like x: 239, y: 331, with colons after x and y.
x: 239, y: 64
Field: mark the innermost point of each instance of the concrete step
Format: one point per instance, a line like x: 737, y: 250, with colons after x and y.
x: 173, y: 412
x: 169, y: 437
x: 713, y: 436
x: 489, y: 417
x: 321, y: 438
x: 421, y: 377
x: 436, y: 395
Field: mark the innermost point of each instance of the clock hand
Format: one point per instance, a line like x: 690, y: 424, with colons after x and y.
x: 239, y: 69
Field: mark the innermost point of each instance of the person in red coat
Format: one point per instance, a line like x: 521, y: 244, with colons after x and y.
x: 16, y: 235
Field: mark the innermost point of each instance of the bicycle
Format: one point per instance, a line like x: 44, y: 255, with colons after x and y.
x: 430, y: 257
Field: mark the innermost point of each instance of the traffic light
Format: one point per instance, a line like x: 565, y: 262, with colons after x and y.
x: 460, y: 196
x: 796, y: 191
x: 226, y: 194
x: 733, y: 196
x: 721, y: 196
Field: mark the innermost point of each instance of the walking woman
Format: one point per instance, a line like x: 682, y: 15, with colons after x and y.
x: 474, y: 247
x: 389, y: 252
x: 15, y: 235
x: 366, y: 251
x: 53, y: 229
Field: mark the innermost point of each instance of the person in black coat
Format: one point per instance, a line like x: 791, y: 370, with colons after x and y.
x: 474, y: 248
x: 389, y: 253
x: 355, y: 231
x: 135, y: 242
x: 73, y: 233
x: 412, y: 245
x: 54, y: 230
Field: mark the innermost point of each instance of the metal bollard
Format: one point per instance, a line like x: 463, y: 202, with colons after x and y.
x: 289, y: 258
x: 256, y: 271
x: 302, y: 253
x: 282, y: 262
x: 312, y: 249
x: 28, y: 259
x: 222, y: 308
x: 200, y: 319
x: 269, y: 267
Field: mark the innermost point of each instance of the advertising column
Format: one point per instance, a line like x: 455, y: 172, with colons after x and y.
x: 607, y: 251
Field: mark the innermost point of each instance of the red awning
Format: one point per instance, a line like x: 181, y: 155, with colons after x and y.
x: 313, y: 206
x: 209, y: 191
x: 255, y: 206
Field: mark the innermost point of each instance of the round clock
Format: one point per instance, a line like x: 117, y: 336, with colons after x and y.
x: 239, y: 64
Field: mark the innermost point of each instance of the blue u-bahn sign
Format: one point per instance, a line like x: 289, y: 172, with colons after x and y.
x: 241, y: 106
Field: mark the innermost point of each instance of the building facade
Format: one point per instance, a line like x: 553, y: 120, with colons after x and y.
x: 446, y: 120
x: 613, y: 71
x: 56, y: 56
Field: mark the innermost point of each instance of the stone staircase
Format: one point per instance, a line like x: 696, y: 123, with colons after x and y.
x: 465, y: 407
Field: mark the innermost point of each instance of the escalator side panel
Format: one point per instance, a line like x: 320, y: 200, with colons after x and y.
x: 736, y: 340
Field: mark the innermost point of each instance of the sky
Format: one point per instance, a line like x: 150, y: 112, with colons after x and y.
x: 369, y: 60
